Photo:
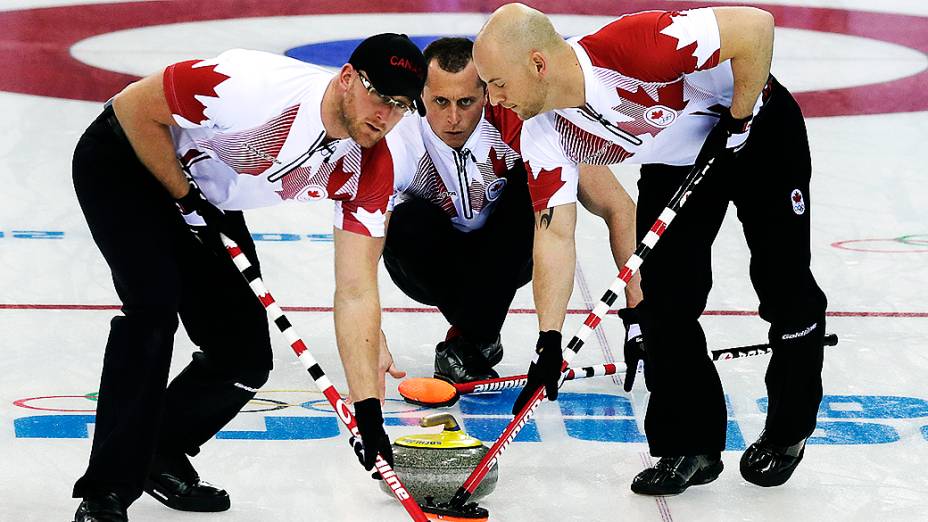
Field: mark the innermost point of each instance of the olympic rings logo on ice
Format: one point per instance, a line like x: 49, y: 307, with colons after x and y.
x: 905, y: 244
x: 597, y: 417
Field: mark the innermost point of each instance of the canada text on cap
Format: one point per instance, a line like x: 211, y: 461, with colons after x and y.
x: 394, y: 65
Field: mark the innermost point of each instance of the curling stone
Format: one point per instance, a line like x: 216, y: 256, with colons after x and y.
x: 436, y: 464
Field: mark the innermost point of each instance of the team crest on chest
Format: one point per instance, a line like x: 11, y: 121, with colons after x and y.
x: 311, y: 193
x: 495, y: 189
x: 660, y: 116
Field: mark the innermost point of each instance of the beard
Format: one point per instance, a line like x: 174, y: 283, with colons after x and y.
x: 525, y: 112
x: 357, y: 129
x: 533, y: 107
x: 537, y: 103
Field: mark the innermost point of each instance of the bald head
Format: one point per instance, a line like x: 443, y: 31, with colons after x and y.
x: 514, y: 54
x: 516, y: 30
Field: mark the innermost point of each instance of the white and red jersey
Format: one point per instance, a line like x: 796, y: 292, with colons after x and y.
x: 251, y: 135
x: 653, y: 84
x: 464, y: 183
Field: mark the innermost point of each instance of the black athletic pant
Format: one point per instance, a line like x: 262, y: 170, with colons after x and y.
x: 159, y: 271
x: 686, y: 414
x: 471, y: 277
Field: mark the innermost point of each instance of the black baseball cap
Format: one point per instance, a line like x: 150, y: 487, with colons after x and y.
x: 394, y: 65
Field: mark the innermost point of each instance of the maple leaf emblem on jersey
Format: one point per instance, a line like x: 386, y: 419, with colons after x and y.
x: 199, y: 81
x: 543, y: 186
x: 497, y: 165
x: 688, y: 41
x: 498, y: 161
x: 652, y: 114
x: 338, y: 179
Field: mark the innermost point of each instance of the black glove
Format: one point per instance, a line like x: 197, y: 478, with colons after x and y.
x: 545, y: 369
x: 373, y: 438
x: 716, y: 145
x: 215, y: 219
x: 634, y: 346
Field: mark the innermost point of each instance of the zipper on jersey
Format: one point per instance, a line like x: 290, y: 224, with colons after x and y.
x: 460, y: 163
x: 328, y: 150
x: 303, y: 158
x: 590, y: 113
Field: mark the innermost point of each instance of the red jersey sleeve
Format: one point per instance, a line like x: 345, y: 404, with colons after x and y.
x: 365, y: 214
x: 508, y: 124
x: 184, y: 82
x: 656, y: 46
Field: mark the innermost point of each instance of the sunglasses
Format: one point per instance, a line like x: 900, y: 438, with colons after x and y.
x: 405, y: 108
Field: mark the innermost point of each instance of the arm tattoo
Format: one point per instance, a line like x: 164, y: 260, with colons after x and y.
x: 547, y: 216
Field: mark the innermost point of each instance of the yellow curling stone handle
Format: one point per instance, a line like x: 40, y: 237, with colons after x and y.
x: 451, y: 437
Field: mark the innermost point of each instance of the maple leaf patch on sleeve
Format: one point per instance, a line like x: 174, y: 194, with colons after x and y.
x: 656, y: 46
x: 184, y: 82
x: 543, y: 186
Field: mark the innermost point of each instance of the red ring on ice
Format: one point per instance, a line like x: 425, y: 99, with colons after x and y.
x: 896, y: 241
x: 35, y: 58
x: 24, y: 403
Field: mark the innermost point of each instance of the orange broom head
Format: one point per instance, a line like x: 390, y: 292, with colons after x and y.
x: 425, y: 391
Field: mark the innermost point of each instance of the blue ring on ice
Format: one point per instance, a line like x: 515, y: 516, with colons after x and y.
x: 335, y: 53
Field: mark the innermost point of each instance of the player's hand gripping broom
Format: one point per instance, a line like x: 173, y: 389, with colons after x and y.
x: 456, y: 508
x: 315, y: 371
x: 436, y: 393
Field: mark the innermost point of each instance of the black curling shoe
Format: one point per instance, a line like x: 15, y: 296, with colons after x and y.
x: 492, y: 351
x: 175, y: 483
x: 672, y: 475
x: 458, y: 360
x: 767, y: 464
x: 103, y: 508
